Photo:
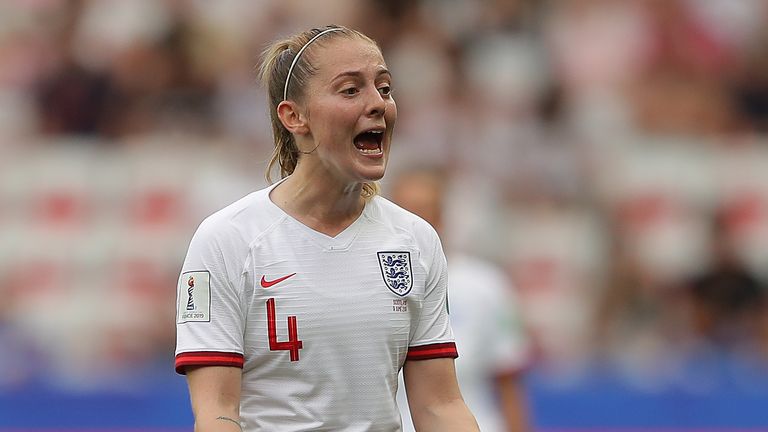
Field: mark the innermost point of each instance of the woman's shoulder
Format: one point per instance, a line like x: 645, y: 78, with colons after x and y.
x: 392, y: 214
x: 246, y: 215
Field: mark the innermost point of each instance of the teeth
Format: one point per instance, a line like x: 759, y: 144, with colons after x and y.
x: 371, y: 151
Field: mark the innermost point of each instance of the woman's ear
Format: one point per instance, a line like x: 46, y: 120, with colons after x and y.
x: 293, y: 120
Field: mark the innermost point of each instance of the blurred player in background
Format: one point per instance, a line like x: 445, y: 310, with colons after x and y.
x: 484, y: 317
x: 299, y: 304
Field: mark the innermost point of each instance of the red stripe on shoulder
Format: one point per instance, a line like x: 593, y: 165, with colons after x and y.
x: 207, y: 358
x: 432, y: 351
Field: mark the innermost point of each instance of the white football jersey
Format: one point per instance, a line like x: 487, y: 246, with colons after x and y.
x: 320, y: 325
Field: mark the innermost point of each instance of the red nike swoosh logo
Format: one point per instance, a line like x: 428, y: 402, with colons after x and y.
x: 266, y: 284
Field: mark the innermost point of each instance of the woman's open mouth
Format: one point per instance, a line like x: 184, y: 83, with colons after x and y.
x: 369, y: 142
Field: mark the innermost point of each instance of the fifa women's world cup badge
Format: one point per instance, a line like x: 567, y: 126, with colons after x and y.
x: 396, y: 271
x: 194, y: 297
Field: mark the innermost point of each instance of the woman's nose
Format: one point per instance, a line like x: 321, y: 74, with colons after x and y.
x: 377, y: 105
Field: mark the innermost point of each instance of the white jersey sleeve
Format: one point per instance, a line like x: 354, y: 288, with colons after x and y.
x: 432, y: 336
x: 210, y: 316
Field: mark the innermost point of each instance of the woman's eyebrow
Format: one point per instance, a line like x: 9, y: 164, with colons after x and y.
x: 357, y: 74
x: 353, y: 74
x: 384, y: 71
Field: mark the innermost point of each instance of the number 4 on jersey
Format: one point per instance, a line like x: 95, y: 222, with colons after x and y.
x: 293, y: 344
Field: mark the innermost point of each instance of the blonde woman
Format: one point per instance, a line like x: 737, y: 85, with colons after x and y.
x: 299, y: 304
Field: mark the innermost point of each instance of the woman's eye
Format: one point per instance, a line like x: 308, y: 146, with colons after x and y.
x: 385, y: 90
x: 350, y: 91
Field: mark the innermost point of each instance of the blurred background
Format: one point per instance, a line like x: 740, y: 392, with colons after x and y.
x: 610, y: 156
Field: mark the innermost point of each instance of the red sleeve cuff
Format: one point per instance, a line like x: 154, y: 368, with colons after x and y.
x: 207, y: 358
x: 432, y: 351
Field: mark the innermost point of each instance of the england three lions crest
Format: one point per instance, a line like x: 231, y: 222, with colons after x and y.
x: 396, y: 271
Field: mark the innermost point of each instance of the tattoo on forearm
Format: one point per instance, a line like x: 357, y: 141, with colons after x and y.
x: 231, y: 420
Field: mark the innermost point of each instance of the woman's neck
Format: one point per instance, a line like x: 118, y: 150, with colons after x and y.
x: 324, y: 206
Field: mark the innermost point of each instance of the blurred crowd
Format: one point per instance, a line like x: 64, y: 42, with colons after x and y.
x: 610, y: 155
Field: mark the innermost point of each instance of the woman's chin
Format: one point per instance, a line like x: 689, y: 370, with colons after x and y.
x: 373, y: 172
